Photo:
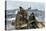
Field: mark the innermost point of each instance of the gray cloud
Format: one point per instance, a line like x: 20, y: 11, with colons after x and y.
x: 16, y: 4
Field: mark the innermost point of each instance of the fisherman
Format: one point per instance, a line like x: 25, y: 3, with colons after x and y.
x: 21, y: 18
x: 33, y: 16
x: 33, y: 20
x: 23, y: 13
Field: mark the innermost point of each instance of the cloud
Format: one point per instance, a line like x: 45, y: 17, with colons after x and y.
x: 16, y: 4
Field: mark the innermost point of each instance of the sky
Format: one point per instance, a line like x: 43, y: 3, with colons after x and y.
x: 16, y: 4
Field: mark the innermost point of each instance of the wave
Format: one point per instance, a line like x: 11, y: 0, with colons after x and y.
x: 10, y: 19
x: 39, y: 19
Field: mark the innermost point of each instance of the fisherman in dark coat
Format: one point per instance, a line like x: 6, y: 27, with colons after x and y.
x: 32, y: 16
x: 23, y: 13
x: 21, y: 18
x: 33, y: 20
